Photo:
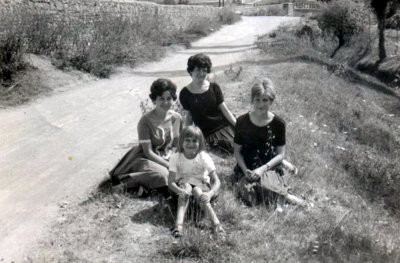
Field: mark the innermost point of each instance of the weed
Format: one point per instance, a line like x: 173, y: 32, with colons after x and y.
x: 11, y: 58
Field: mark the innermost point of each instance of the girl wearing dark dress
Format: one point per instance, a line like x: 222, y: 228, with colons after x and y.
x: 146, y: 165
x: 205, y: 107
x: 259, y: 148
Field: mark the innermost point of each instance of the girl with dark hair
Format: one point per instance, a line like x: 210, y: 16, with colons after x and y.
x: 192, y: 172
x: 146, y: 165
x: 205, y: 106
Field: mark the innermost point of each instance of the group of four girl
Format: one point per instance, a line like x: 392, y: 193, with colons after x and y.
x: 257, y: 140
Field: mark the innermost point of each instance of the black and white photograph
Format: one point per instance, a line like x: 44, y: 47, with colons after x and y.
x: 199, y: 131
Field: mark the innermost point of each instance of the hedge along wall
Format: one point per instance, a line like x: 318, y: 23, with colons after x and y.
x: 174, y: 16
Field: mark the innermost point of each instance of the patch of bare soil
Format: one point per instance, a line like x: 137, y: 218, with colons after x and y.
x: 40, y: 78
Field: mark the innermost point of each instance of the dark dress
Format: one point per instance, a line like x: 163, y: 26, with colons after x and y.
x: 137, y: 170
x: 204, y: 108
x: 258, y: 146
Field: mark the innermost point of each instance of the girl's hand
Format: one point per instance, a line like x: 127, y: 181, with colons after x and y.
x: 205, y: 197
x: 185, y: 192
x: 252, y: 176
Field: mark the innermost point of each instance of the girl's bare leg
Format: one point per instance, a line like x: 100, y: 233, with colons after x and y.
x: 206, y: 206
x: 183, y: 202
x: 295, y: 200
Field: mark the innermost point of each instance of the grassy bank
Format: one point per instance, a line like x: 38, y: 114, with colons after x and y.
x: 95, y: 46
x: 343, y: 136
x: 344, y: 32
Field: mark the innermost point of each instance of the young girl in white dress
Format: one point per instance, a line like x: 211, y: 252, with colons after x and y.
x: 192, y: 172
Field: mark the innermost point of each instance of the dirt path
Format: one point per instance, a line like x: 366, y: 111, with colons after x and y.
x: 59, y: 148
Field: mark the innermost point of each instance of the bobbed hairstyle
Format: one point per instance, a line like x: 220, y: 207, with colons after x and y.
x: 265, y: 86
x: 200, y: 61
x: 191, y: 131
x: 159, y: 86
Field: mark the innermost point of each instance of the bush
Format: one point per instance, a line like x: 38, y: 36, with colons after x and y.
x: 227, y: 16
x: 11, y: 51
x: 340, y: 18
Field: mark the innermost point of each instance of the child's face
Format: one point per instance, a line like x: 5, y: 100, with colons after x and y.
x: 190, y: 146
x: 199, y: 74
x: 262, y: 102
x: 164, y: 102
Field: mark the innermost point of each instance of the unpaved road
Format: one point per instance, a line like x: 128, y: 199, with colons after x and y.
x: 59, y: 148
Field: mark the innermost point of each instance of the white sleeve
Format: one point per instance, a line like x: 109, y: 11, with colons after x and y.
x: 173, y: 162
x: 208, y: 162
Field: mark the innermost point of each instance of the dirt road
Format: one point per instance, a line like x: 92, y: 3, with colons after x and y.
x: 59, y: 148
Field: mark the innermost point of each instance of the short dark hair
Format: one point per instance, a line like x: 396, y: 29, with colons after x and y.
x: 159, y: 86
x: 192, y: 131
x: 200, y: 61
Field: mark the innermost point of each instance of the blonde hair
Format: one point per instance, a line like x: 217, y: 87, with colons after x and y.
x: 265, y: 86
x: 192, y: 132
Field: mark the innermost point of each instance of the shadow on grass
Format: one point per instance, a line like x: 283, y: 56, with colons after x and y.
x: 155, y: 215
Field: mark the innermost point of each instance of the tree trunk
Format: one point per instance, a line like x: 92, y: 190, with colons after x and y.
x: 341, y: 43
x: 382, y: 50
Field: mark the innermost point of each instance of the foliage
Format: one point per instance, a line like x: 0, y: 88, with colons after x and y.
x: 227, y: 16
x: 11, y: 61
x: 340, y: 18
x: 97, y: 45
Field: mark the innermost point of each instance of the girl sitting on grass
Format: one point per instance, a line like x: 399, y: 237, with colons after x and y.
x: 260, y: 138
x: 192, y: 172
x: 205, y: 107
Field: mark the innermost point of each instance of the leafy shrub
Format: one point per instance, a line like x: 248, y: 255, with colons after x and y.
x: 11, y: 51
x: 340, y: 18
x: 309, y: 30
x: 227, y: 16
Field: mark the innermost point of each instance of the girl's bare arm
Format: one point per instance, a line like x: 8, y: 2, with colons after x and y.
x: 151, y: 155
x: 188, y: 118
x: 216, y: 183
x: 173, y: 186
x: 239, y: 158
x: 227, y: 113
x: 280, y: 150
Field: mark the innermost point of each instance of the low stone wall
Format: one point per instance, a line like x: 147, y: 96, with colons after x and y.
x: 266, y: 9
x: 176, y: 16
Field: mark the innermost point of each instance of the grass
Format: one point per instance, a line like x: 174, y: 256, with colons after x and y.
x: 352, y: 182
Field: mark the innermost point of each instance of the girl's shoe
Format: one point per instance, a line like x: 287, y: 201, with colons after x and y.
x: 177, y: 231
x: 293, y: 199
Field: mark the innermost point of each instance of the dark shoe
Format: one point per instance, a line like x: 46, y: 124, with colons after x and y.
x: 177, y: 231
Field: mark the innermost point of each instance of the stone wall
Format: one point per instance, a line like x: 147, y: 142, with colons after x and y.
x: 264, y: 9
x: 175, y: 16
